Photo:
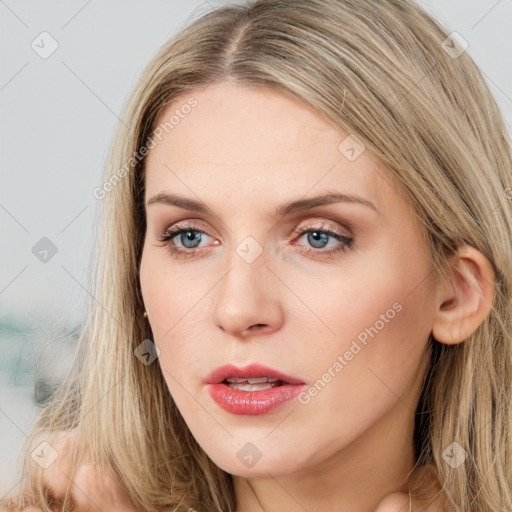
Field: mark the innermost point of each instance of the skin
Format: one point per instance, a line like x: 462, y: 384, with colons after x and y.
x: 243, y: 152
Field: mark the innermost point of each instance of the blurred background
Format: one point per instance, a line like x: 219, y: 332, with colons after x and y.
x: 66, y: 69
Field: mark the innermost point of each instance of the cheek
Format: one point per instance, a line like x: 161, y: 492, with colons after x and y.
x: 167, y: 295
x: 376, y: 326
x: 176, y: 305
x: 377, y: 299
x: 346, y: 304
x: 370, y: 364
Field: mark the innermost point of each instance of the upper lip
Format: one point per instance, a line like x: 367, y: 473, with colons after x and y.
x: 251, y: 371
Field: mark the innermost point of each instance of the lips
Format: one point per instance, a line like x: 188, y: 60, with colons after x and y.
x: 251, y: 371
x: 228, y: 386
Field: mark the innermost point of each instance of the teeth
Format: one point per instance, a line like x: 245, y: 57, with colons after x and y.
x: 255, y: 384
x: 257, y: 380
x: 253, y: 387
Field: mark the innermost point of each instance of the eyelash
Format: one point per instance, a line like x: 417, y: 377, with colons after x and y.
x: 346, y: 242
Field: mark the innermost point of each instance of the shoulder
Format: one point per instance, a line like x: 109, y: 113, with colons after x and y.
x: 395, y: 502
x: 401, y: 502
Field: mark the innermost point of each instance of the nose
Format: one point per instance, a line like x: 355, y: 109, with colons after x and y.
x: 247, y: 300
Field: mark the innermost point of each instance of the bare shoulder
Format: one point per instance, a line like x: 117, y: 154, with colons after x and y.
x: 395, y: 502
x: 401, y: 502
x: 426, y: 491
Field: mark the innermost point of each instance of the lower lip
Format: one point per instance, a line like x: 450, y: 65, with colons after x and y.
x: 252, y: 403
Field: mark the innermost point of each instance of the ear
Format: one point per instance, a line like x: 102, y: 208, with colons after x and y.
x: 463, y: 298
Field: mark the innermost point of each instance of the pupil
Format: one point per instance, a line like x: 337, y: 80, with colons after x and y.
x: 190, y: 236
x: 313, y: 238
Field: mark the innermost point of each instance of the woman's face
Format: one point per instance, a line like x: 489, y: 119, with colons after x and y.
x: 349, y: 316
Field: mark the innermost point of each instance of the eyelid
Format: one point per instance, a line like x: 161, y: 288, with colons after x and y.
x: 187, y: 223
x: 315, y: 222
x: 322, y: 223
x: 344, y: 241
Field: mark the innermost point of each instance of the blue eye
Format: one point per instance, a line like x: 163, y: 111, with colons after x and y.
x: 190, y: 237
x: 318, y: 238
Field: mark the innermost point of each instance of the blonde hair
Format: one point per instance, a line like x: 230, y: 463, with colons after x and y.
x: 380, y: 70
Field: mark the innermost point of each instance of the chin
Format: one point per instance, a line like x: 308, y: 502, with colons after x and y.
x: 247, y: 463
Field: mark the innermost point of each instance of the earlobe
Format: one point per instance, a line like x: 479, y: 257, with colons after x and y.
x: 464, y: 297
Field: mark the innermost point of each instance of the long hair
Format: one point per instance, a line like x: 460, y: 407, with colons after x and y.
x: 388, y: 73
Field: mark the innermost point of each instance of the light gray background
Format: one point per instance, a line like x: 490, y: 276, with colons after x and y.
x: 56, y: 123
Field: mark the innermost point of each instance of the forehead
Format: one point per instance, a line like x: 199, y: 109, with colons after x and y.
x: 258, y: 142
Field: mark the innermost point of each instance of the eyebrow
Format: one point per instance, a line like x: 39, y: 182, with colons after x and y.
x: 294, y: 206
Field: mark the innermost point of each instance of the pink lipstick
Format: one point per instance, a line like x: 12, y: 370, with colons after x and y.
x: 251, y: 390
